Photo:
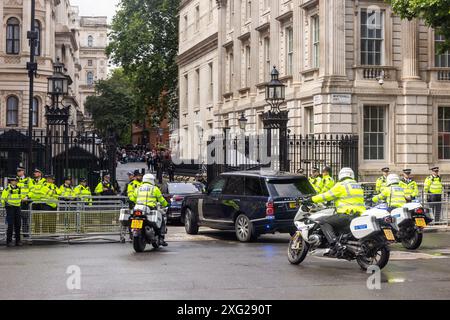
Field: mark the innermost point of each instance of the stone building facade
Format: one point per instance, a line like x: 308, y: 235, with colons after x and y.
x: 350, y: 67
x: 61, y: 35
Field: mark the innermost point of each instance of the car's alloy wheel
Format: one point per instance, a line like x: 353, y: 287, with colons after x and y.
x: 244, y: 228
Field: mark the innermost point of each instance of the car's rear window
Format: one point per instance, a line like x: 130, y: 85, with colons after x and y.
x: 183, y: 188
x: 290, y: 188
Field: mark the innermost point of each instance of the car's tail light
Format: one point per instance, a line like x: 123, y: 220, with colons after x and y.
x: 270, y: 208
x: 420, y: 211
x: 177, y: 198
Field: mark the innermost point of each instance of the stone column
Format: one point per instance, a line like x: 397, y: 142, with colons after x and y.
x: 410, y: 68
x: 26, y: 26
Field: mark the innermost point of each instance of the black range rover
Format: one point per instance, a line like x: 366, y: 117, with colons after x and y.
x: 250, y: 202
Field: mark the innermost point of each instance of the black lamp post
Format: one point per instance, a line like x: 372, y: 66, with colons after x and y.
x: 243, y: 121
x: 276, y: 119
x: 58, y: 87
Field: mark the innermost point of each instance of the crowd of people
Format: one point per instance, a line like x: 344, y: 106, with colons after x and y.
x: 42, y: 194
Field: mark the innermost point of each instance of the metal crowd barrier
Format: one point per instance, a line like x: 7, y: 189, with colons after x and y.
x: 82, y: 220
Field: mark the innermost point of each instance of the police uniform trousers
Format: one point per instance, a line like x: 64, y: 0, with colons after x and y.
x: 338, y: 223
x: 14, y: 219
x: 436, y: 205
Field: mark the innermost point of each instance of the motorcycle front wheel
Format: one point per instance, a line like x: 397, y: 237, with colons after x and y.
x: 139, y: 243
x: 297, y: 251
x: 414, y: 241
x: 380, y: 259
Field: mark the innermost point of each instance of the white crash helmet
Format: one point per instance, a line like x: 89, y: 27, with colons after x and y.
x: 392, y: 179
x: 346, y: 173
x: 149, y: 178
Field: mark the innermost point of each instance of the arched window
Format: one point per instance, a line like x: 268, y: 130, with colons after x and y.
x: 35, y: 112
x: 90, y: 41
x: 90, y: 78
x: 13, y: 36
x: 12, y: 111
x: 37, y: 28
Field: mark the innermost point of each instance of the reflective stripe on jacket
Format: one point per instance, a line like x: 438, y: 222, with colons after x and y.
x: 84, y: 193
x: 348, y: 197
x: 131, y: 188
x: 50, y: 198
x: 433, y: 185
x: 149, y: 195
x: 380, y: 184
x: 316, y: 183
x: 411, y: 188
x: 394, y: 196
x: 327, y: 184
x: 36, y: 193
x: 12, y: 196
x: 66, y: 192
x: 25, y: 185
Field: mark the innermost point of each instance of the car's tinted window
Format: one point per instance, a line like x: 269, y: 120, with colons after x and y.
x: 217, y: 186
x: 182, y: 188
x: 235, y: 186
x: 290, y: 188
x: 254, y: 187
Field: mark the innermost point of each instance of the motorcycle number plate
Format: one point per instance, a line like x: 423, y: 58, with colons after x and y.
x: 137, y: 224
x: 420, y: 222
x: 389, y: 234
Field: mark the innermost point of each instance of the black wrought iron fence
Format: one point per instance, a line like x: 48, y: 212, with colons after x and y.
x: 79, y: 156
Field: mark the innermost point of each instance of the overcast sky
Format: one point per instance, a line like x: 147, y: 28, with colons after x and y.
x: 96, y: 7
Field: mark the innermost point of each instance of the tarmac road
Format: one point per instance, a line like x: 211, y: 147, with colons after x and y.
x: 213, y: 265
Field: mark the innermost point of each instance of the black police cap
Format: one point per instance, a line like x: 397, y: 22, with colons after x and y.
x: 20, y: 169
x: 386, y: 169
x: 435, y: 169
x: 407, y: 171
x: 12, y: 179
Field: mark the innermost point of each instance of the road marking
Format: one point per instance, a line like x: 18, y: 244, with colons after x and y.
x: 405, y: 255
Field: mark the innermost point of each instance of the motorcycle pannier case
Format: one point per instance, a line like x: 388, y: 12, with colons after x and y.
x: 124, y: 217
x: 364, y: 226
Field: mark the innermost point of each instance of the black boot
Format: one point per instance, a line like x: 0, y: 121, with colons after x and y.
x: 163, y: 242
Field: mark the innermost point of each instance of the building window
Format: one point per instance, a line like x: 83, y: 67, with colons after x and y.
x: 248, y: 10
x: 37, y: 28
x: 315, y: 22
x: 90, y: 63
x: 266, y: 57
x: 309, y: 117
x: 211, y: 82
x: 12, y: 111
x: 442, y: 60
x: 186, y: 91
x: 230, y: 71
x: 197, y: 18
x: 211, y: 10
x: 90, y: 41
x: 90, y: 78
x: 13, y: 36
x: 372, y: 37
x: 197, y: 96
x: 248, y: 66
x: 35, y: 112
x: 374, y: 132
x: 185, y: 27
x: 444, y: 133
x: 289, y: 50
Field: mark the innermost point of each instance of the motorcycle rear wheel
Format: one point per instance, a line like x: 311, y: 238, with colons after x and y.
x: 414, y: 242
x: 380, y: 259
x: 296, y: 256
x: 139, y: 243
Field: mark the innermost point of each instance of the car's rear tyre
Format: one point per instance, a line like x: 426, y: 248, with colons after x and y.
x: 190, y: 222
x: 414, y: 242
x: 245, y: 231
x: 139, y: 243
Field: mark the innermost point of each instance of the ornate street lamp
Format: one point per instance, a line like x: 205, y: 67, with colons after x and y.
x: 276, y: 119
x: 58, y: 83
x: 275, y: 91
x: 243, y: 121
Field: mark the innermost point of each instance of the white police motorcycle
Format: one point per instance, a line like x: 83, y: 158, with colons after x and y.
x: 367, y: 243
x: 408, y: 222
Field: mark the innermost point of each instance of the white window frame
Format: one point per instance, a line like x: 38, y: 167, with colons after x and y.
x: 289, y: 50
x: 266, y: 57
x: 440, y: 60
x: 384, y: 133
x: 315, y: 41
x: 382, y: 39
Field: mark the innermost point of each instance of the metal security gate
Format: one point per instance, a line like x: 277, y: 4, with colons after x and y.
x: 74, y: 155
x: 304, y: 153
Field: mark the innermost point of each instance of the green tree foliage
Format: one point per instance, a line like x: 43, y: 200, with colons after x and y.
x: 113, y: 107
x: 435, y: 13
x: 144, y: 41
